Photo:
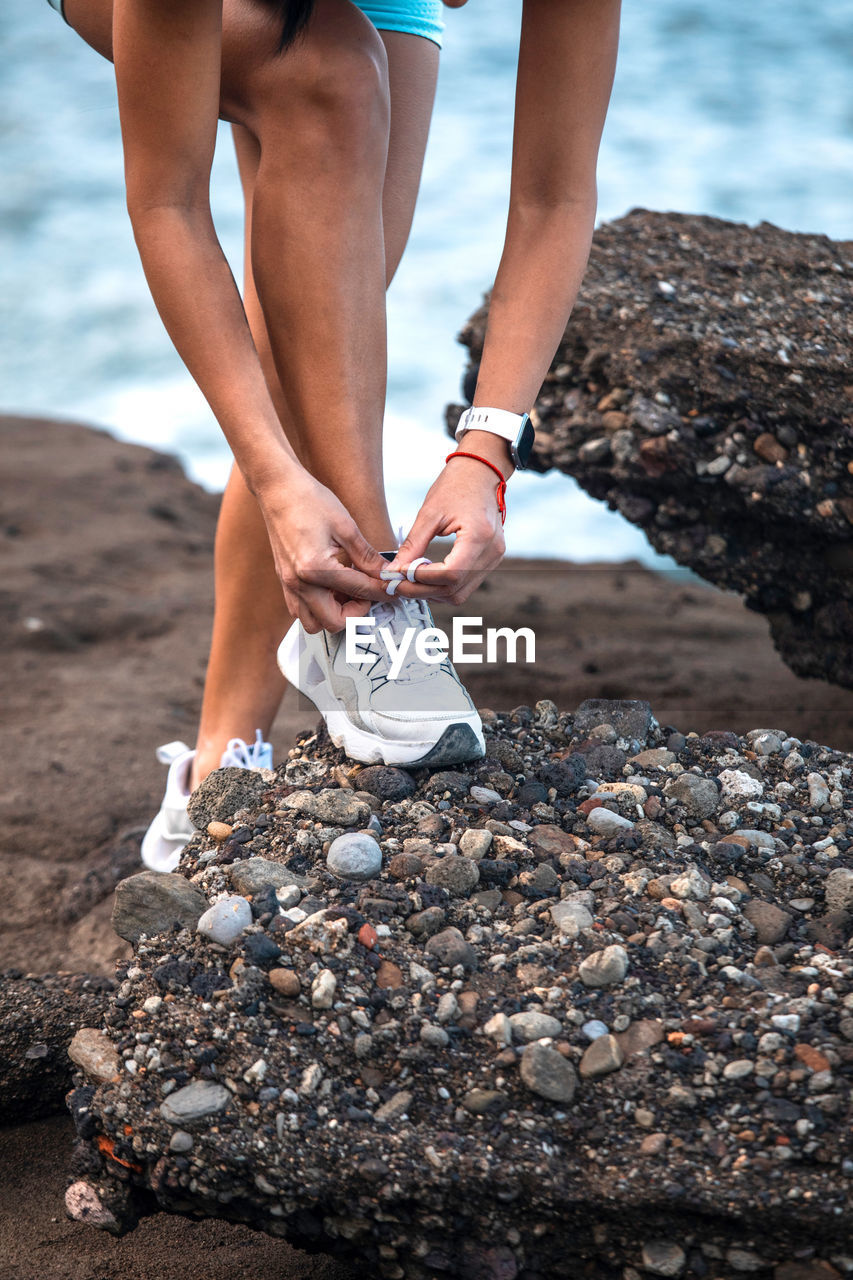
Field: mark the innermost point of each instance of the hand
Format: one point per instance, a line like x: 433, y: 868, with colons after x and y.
x: 462, y: 501
x: 328, y: 571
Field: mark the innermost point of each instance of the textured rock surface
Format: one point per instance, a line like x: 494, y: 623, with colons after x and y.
x: 151, y: 901
x: 38, y: 1018
x: 359, y: 1078
x: 704, y: 388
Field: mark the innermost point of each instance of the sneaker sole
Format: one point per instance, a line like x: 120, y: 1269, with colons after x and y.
x: 460, y: 741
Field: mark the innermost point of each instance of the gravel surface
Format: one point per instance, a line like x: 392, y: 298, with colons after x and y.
x: 537, y: 1043
x: 704, y: 389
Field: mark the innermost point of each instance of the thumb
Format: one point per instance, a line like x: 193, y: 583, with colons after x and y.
x: 362, y: 554
x: 415, y: 542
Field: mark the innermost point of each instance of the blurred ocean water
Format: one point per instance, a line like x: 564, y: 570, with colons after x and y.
x: 743, y: 111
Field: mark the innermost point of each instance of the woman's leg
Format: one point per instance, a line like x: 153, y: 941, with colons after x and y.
x: 243, y: 686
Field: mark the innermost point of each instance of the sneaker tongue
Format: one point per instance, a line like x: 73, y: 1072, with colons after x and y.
x: 398, y: 617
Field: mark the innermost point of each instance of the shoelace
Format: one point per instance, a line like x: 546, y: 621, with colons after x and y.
x: 400, y: 615
x: 239, y: 755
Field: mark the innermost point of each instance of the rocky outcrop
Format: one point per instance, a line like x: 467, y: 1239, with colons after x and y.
x: 594, y: 1012
x: 704, y: 389
x: 39, y: 1015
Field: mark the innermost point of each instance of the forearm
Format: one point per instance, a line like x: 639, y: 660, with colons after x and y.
x: 200, y: 306
x: 540, y: 273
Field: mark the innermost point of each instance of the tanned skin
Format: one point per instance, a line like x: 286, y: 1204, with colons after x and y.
x: 330, y: 138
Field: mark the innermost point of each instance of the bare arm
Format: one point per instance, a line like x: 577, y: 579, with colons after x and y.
x: 167, y: 59
x: 567, y: 59
x: 566, y: 64
x: 167, y: 63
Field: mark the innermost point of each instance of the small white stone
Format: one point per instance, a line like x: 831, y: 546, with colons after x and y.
x: 738, y: 785
x: 485, y: 795
x: 607, y: 823
x: 226, y: 919
x: 323, y: 989
x: 786, y: 1022
x: 532, y: 1025
x: 354, y: 856
x: 256, y: 1072
x: 499, y: 1029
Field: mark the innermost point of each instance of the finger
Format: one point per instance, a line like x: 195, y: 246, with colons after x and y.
x: 349, y: 582
x: 362, y: 554
x: 307, y: 617
x: 416, y: 541
x: 330, y: 614
x: 467, y: 588
x: 421, y: 591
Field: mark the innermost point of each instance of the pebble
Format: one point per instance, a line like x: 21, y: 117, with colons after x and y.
x: 323, y: 989
x: 690, y: 884
x: 594, y: 1028
x: 547, y: 1073
x: 354, y: 856
x: 532, y: 1025
x: 219, y: 830
x: 152, y: 901
x: 385, y: 782
x: 571, y: 917
x: 434, y: 1037
x: 288, y: 896
x: 607, y: 823
x: 339, y: 808
x: 738, y: 1069
x: 770, y: 922
x: 395, y: 1108
x: 256, y: 874
x: 482, y: 1101
x: 450, y: 948
x: 485, y: 795
x: 447, y: 1009
x: 818, y: 790
x: 699, y: 796
x: 194, y: 1101
x: 95, y: 1054
x: 181, y: 1142
x: 499, y: 1028
x: 839, y: 889
x: 602, y: 1057
x: 786, y: 1022
x: 739, y: 786
x: 604, y: 968
x: 475, y: 843
x: 655, y: 758
x: 664, y: 1258
x: 85, y: 1205
x: 226, y: 919
x: 223, y: 793
x: 285, y: 981
x: 454, y: 873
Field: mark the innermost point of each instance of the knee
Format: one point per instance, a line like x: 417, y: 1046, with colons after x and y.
x: 332, y: 90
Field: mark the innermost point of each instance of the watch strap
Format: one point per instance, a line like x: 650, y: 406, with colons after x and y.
x: 500, y: 422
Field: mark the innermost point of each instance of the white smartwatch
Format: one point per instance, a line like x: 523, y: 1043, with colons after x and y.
x: 516, y: 428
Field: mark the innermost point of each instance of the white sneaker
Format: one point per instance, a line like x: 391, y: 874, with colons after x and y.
x: 424, y: 716
x: 171, y: 829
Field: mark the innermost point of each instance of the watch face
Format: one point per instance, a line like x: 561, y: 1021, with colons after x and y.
x: 523, y: 446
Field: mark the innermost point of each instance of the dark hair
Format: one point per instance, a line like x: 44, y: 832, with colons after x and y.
x: 295, y: 15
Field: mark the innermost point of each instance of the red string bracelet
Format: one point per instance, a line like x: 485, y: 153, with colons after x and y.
x: 500, y: 491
